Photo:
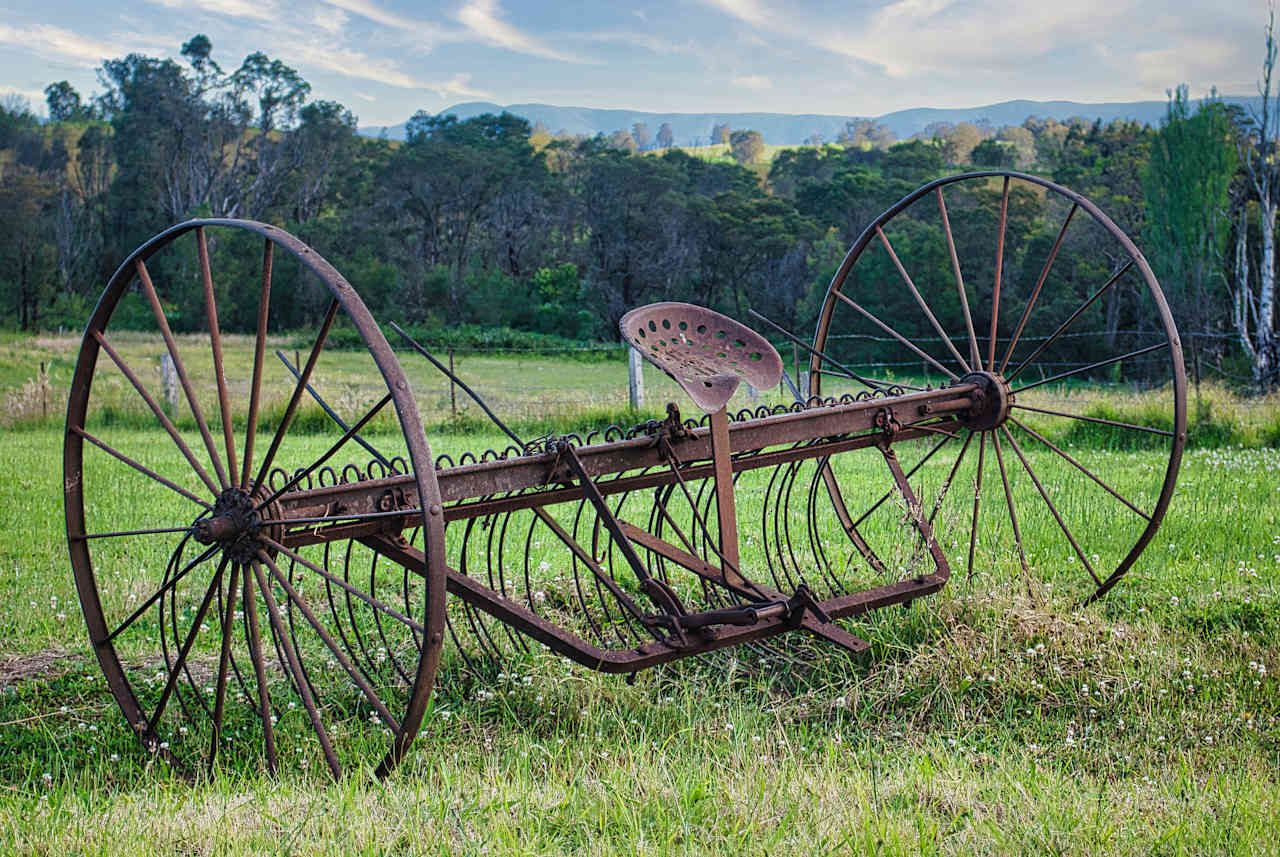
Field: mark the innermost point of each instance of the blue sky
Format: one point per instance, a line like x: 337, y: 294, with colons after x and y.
x: 384, y: 59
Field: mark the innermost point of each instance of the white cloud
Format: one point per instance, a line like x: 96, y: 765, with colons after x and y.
x: 45, y: 40
x: 483, y: 19
x: 459, y: 85
x: 758, y: 82
x: 348, y: 62
x: 747, y: 11
x: 423, y: 34
x: 330, y: 19
x: 255, y: 10
x: 988, y: 49
x: 647, y: 41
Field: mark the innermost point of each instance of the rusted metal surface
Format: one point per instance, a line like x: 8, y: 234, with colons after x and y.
x: 619, y: 550
x: 706, y: 353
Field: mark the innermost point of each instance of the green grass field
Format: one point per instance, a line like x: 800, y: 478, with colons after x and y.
x: 994, y: 717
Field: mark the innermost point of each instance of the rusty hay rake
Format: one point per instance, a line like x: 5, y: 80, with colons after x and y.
x: 258, y: 584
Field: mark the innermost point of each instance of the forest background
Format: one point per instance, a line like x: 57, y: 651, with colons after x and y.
x: 489, y: 232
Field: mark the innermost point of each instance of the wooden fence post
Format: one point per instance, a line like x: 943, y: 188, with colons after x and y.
x: 169, y: 378
x: 635, y: 378
x: 453, y: 395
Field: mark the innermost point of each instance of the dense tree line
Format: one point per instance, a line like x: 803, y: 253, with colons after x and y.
x: 492, y: 222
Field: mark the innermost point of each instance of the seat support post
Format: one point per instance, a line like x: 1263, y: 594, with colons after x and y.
x: 726, y: 511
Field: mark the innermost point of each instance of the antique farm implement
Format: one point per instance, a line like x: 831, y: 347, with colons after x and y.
x: 258, y: 577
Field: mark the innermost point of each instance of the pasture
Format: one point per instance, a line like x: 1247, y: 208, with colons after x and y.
x: 995, y: 717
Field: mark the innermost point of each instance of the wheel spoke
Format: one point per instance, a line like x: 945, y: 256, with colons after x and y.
x: 995, y: 296
x: 342, y: 584
x: 165, y: 587
x: 1035, y: 293
x: 215, y: 344
x: 334, y: 519
x: 1130, y: 426
x: 946, y: 485
x: 259, y: 352
x: 848, y: 373
x: 118, y: 533
x: 1115, y: 278
x: 297, y: 393
x: 337, y: 651
x: 342, y: 441
x: 1098, y: 365
x: 158, y: 411
x: 906, y: 278
x: 224, y: 660
x: 1066, y: 531
x: 260, y: 672
x: 898, y: 336
x: 333, y: 415
x: 885, y: 496
x: 141, y: 468
x: 180, y: 662
x: 295, y: 667
x: 1008, y: 498
x: 977, y: 500
x: 1086, y: 471
x: 158, y: 311
x: 955, y: 267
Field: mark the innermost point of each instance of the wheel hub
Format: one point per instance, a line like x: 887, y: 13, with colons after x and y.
x: 990, y: 401
x: 234, y: 525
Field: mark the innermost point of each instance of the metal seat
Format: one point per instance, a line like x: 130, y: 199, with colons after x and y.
x: 706, y: 353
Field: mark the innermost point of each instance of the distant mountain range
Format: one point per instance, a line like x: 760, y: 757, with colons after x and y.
x: 787, y: 129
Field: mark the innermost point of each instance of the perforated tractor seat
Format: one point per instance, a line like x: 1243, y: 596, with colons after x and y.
x: 706, y: 353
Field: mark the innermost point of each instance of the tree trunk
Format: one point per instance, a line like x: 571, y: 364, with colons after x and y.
x: 1240, y: 307
x: 1265, y: 360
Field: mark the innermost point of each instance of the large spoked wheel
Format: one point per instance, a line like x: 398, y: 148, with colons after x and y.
x: 1029, y: 290
x: 186, y: 424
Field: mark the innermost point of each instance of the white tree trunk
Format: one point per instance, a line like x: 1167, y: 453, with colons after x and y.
x: 1265, y: 350
x: 1242, y: 296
